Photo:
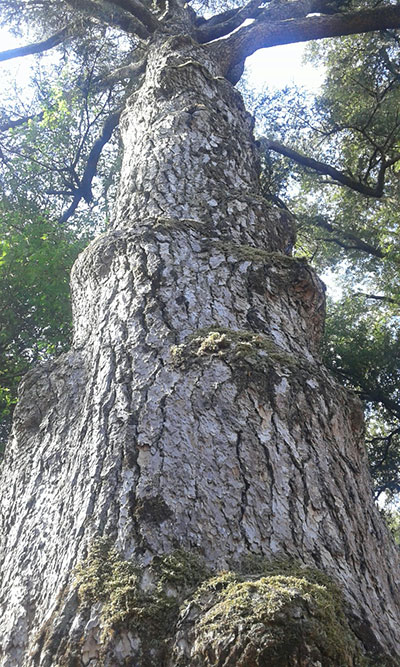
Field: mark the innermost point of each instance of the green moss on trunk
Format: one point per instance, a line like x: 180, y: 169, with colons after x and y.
x: 264, y: 614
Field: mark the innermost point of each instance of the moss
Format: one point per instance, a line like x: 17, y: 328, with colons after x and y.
x: 273, y: 619
x: 227, y: 343
x: 252, y: 357
x: 277, y: 614
x: 95, y: 570
x: 104, y: 576
x: 215, y: 342
x: 180, y: 569
x: 252, y: 254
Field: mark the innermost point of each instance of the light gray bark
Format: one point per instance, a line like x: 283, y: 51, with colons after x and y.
x: 233, y: 441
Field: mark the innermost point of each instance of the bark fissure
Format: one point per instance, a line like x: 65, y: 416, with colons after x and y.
x: 245, y: 489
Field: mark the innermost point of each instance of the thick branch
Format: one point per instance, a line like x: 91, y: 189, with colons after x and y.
x: 125, y: 72
x: 111, y: 15
x: 85, y: 189
x: 262, y: 34
x: 212, y: 30
x: 277, y: 11
x: 217, y: 18
x: 282, y: 11
x: 327, y: 170
x: 37, y: 47
x: 141, y: 12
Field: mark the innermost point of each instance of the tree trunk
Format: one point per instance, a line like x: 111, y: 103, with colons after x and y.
x: 192, y: 418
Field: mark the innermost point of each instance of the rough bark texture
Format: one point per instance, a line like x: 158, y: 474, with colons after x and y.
x: 192, y: 412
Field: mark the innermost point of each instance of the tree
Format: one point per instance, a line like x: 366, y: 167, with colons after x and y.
x: 192, y: 427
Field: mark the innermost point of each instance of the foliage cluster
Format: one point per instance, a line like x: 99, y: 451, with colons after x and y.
x: 36, y: 255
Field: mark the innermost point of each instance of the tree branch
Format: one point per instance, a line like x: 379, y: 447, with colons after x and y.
x: 277, y: 11
x: 212, y: 30
x: 217, y: 18
x: 37, y: 47
x: 377, y: 297
x: 262, y: 34
x: 376, y: 395
x: 111, y: 15
x: 326, y: 169
x: 368, y: 393
x: 358, y: 244
x: 125, y: 72
x: 136, y: 8
x: 9, y: 124
x: 85, y: 187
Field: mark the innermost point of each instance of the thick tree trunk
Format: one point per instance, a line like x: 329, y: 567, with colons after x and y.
x: 192, y: 412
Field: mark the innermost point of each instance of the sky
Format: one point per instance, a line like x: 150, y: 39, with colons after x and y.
x: 281, y: 66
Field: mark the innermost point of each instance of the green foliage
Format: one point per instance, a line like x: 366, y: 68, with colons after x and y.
x: 392, y: 517
x: 44, y: 159
x: 362, y: 345
x: 36, y: 255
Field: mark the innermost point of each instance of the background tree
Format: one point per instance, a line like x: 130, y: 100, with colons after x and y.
x: 192, y: 405
x: 36, y: 259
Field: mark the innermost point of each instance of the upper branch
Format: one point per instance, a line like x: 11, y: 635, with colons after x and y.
x: 356, y: 242
x: 276, y: 11
x: 262, y: 34
x: 111, y: 14
x: 328, y: 170
x: 377, y: 297
x: 231, y: 20
x: 37, y: 47
x: 10, y: 124
x: 84, y: 191
x: 124, y: 72
x: 141, y: 12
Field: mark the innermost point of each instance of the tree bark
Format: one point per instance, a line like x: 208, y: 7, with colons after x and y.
x: 192, y: 411
x: 262, y: 35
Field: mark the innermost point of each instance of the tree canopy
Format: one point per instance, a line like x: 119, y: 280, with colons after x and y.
x: 333, y: 161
